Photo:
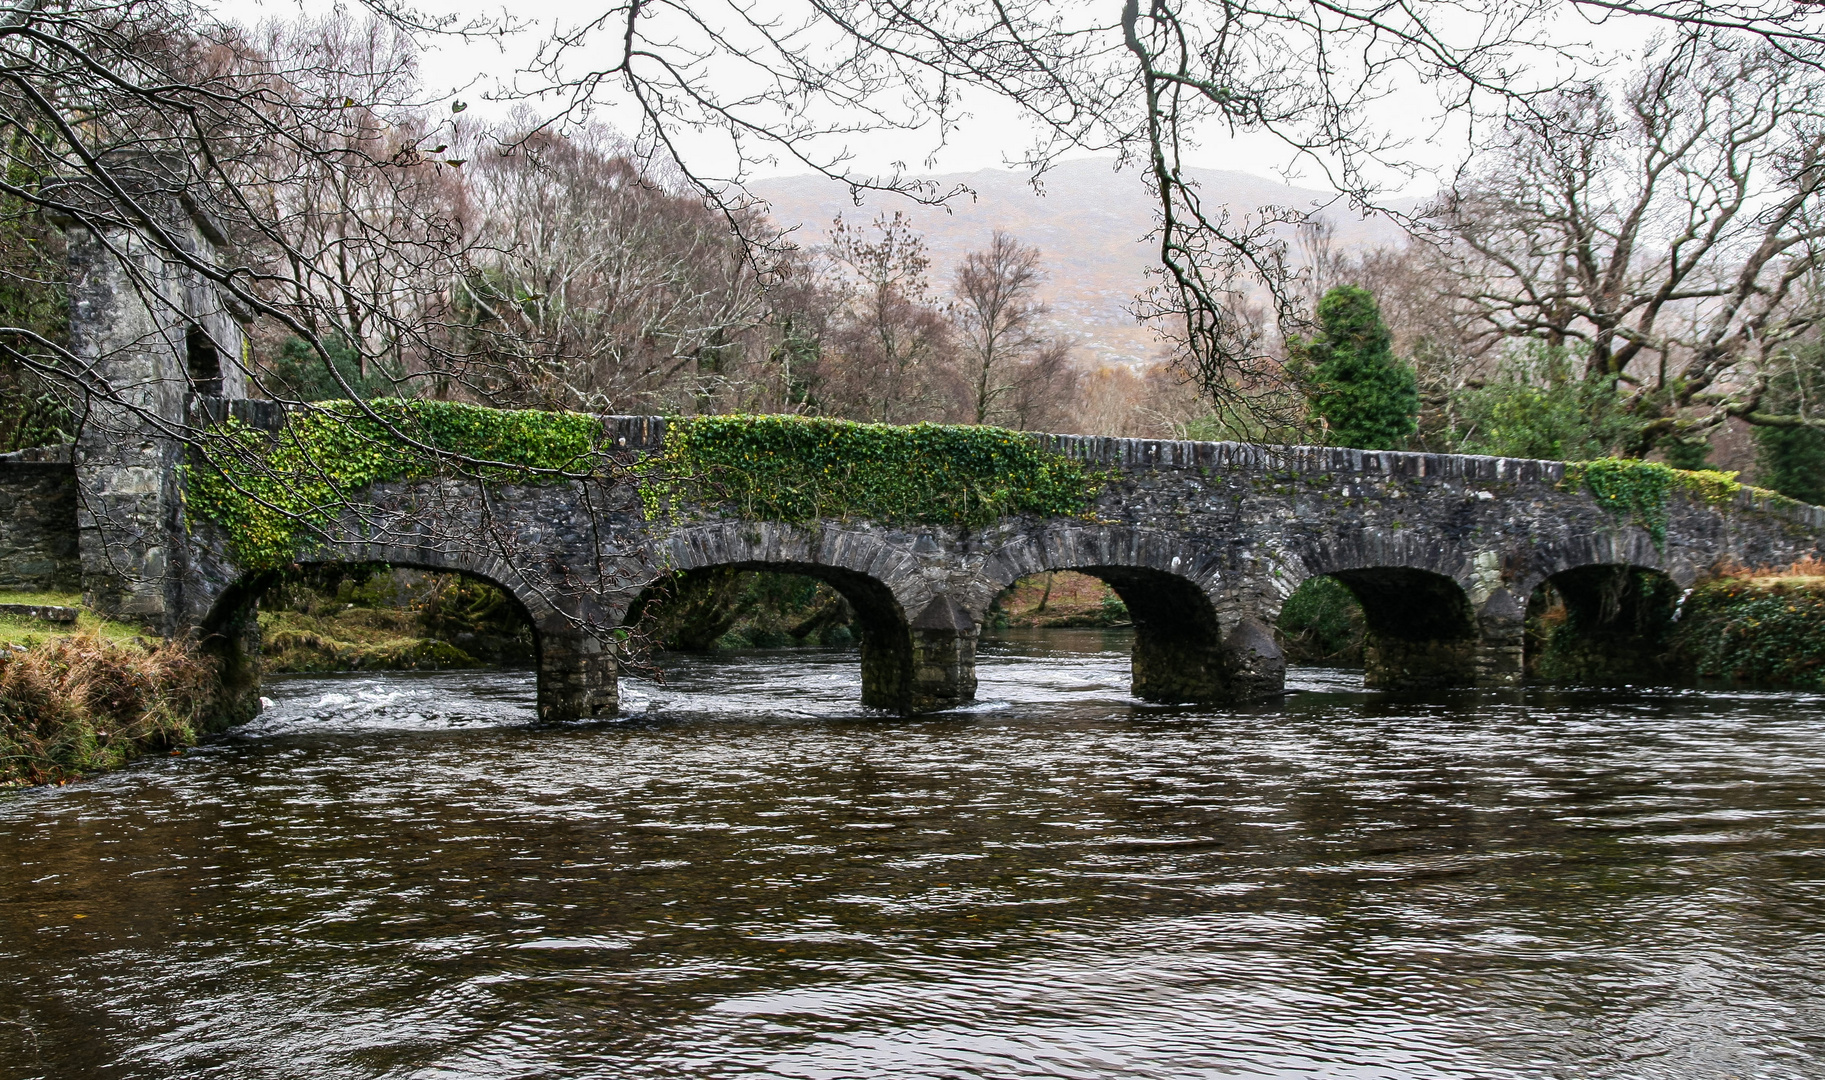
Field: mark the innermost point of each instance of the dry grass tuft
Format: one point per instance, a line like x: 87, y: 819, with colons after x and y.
x: 1807, y: 571
x: 81, y: 703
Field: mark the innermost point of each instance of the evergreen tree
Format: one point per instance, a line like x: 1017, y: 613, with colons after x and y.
x: 300, y: 373
x: 1365, y: 396
x: 1792, y: 460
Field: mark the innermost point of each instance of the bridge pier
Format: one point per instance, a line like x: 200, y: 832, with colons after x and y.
x: 1397, y: 663
x: 576, y: 678
x: 1253, y: 662
x: 1174, y: 668
x: 1501, y: 650
x: 1180, y: 651
x: 232, y: 637
x: 1424, y: 633
x: 943, y: 658
x: 1421, y: 631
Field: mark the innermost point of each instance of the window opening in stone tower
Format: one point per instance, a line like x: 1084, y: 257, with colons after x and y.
x: 203, y: 362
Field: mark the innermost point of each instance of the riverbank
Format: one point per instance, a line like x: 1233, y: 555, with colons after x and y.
x: 80, y: 693
x: 1059, y: 599
x: 383, y: 619
x: 1762, y: 627
x: 27, y: 618
x: 79, y: 702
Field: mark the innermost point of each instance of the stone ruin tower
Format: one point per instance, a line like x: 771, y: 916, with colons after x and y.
x: 159, y: 351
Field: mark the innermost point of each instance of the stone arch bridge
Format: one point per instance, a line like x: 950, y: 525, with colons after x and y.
x: 1203, y: 541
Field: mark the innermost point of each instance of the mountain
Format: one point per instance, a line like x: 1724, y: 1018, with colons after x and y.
x: 1089, y: 221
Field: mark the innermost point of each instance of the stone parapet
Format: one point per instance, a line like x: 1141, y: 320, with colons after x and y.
x: 1186, y: 454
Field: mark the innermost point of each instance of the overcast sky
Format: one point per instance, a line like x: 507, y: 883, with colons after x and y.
x: 993, y: 133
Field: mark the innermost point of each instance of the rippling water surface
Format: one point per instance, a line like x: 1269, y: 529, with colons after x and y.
x: 403, y: 876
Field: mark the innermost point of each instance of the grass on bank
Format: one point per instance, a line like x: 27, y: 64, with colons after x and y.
x: 1808, y: 573
x: 79, y: 702
x: 360, y: 639
x: 24, y: 630
x: 372, y: 618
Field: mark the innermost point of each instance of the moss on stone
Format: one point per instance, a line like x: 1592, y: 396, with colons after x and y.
x: 800, y: 469
x: 277, y: 494
x: 1638, y: 491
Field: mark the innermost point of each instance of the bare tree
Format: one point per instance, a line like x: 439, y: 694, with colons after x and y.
x: 890, y: 357
x: 1148, y: 81
x: 1013, y: 366
x: 597, y: 286
x: 357, y: 223
x: 1661, y: 230
x: 1045, y: 392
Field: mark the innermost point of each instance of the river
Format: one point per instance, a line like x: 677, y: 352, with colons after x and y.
x: 405, y: 876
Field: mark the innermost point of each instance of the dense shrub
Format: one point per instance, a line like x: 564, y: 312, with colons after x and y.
x: 1602, y: 623
x: 1792, y: 462
x: 301, y: 374
x: 1366, y: 397
x: 1539, y: 405
x: 78, y: 704
x: 1322, y: 623
x: 1768, y: 630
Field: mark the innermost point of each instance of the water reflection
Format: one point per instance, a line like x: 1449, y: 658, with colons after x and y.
x: 749, y: 875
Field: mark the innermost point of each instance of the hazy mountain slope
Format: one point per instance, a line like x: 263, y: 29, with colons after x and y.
x: 1090, y: 222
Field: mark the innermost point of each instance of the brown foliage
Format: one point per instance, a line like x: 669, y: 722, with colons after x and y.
x: 82, y: 703
x: 891, y: 353
x: 1809, y: 567
x: 1018, y: 375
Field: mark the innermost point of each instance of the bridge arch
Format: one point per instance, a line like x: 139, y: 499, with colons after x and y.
x: 1181, y: 652
x: 885, y: 637
x: 918, y: 644
x: 1603, y: 620
x: 1620, y: 547
x: 1434, y: 614
x: 575, y: 671
x: 1421, y: 630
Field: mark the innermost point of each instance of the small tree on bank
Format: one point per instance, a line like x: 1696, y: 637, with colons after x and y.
x: 1364, y: 396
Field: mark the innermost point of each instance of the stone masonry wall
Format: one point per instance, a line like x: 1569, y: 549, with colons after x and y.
x: 38, y: 521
